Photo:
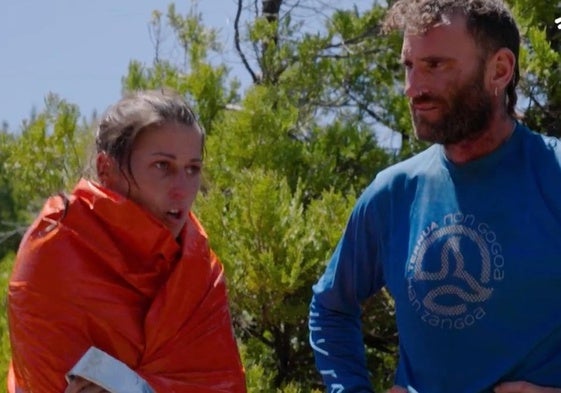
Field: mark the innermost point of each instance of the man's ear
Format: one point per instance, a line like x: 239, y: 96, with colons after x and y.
x: 501, y: 69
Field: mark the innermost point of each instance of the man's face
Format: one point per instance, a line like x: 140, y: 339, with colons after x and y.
x: 445, y: 83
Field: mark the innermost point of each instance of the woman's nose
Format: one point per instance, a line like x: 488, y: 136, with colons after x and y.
x: 180, y: 186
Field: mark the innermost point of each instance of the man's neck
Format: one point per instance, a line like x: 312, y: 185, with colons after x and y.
x: 499, y: 130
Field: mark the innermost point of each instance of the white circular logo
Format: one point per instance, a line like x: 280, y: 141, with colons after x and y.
x: 452, y: 270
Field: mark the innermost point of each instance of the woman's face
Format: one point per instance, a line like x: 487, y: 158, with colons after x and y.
x: 165, y: 176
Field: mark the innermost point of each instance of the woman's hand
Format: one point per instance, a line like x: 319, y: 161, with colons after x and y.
x: 523, y: 387
x: 82, y: 385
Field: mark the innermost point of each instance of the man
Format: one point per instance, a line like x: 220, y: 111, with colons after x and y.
x: 465, y: 235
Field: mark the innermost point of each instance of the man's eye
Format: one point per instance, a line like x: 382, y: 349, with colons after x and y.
x: 434, y: 64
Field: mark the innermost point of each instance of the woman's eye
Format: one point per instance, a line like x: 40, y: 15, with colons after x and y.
x: 192, y: 169
x: 163, y: 165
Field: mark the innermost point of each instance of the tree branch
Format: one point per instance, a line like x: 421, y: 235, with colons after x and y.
x: 238, y: 46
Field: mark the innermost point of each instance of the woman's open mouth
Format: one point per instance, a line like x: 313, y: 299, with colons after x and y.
x: 175, y: 214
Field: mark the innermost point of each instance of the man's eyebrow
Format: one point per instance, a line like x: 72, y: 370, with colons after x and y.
x: 431, y: 59
x: 426, y: 59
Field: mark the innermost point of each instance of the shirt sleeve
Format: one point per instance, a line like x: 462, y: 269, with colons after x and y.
x: 353, y: 274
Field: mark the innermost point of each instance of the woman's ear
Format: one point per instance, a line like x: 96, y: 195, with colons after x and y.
x: 110, y: 175
x: 105, y: 167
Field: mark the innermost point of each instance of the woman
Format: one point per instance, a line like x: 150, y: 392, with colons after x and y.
x: 123, y: 266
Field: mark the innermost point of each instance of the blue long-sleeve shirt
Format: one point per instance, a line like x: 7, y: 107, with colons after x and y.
x: 472, y: 256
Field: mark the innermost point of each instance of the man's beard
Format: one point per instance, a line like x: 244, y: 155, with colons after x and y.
x: 465, y: 114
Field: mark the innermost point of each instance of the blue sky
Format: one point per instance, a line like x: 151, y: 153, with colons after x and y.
x: 79, y: 49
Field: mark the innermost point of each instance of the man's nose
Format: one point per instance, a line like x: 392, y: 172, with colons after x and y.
x: 415, y: 83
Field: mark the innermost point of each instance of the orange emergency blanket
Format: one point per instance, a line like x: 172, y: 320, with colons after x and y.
x: 97, y: 270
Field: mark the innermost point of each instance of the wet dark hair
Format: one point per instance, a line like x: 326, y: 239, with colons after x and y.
x: 489, y: 22
x: 121, y: 124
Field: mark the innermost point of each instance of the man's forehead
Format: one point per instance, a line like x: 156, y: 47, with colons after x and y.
x: 445, y: 19
x: 444, y: 38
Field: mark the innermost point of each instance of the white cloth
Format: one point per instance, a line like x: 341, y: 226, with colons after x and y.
x: 111, y: 374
